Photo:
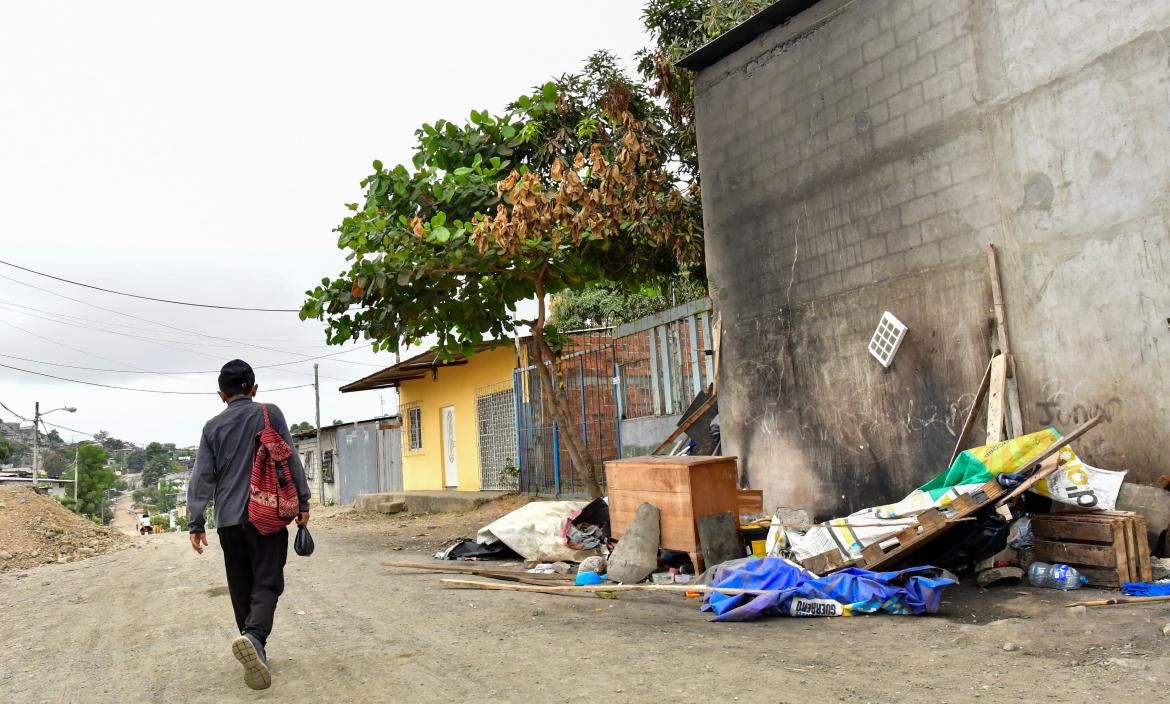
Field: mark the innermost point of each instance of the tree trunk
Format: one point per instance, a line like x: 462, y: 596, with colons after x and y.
x: 568, y: 424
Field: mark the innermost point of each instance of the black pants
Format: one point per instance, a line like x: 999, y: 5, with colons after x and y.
x: 255, y: 575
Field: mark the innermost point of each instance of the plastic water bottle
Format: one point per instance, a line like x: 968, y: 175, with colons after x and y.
x: 1058, y: 576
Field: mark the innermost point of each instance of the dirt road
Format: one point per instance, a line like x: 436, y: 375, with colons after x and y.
x: 126, y: 519
x: 153, y: 625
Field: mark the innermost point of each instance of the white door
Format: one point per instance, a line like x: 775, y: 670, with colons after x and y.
x: 450, y: 469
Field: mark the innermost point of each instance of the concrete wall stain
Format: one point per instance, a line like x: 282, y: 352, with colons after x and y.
x: 861, y: 161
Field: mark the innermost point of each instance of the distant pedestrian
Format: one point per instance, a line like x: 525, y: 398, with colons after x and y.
x: 223, y: 471
x: 145, y: 525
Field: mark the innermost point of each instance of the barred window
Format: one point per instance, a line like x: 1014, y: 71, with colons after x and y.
x: 412, y: 414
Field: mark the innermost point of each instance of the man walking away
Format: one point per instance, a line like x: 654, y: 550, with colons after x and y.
x: 223, y: 471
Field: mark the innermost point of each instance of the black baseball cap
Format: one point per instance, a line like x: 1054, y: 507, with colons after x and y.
x: 236, y: 377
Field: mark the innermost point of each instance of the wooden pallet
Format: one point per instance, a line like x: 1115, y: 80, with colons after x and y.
x: 897, y: 549
x: 1108, y: 547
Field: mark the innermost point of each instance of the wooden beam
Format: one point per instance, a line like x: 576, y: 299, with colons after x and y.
x: 687, y: 423
x: 1005, y: 345
x: 1045, y: 454
x: 525, y: 577
x: 1014, y: 419
x: 995, y: 399
x: 594, y: 588
x: 972, y: 415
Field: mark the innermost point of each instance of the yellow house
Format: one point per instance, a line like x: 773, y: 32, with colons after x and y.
x: 458, y: 422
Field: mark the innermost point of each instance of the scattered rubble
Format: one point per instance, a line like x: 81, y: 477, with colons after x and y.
x: 35, y: 529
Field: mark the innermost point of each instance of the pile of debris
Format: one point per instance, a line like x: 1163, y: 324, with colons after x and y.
x: 35, y: 529
x: 1020, y: 504
x: 996, y: 511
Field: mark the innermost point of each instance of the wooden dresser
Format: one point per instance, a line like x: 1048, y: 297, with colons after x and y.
x: 683, y: 489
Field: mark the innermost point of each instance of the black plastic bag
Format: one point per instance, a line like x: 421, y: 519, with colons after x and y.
x: 304, y: 542
x: 967, y: 543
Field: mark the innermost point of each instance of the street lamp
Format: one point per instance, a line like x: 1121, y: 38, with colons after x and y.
x: 36, y: 436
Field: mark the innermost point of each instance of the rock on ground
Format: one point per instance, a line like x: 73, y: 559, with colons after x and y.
x: 636, y: 554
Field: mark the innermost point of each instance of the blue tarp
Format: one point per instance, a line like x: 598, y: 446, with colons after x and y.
x: 794, y: 591
x: 1145, y: 589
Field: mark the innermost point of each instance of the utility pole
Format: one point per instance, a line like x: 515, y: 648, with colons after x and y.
x: 76, y: 472
x: 36, y: 443
x: 36, y: 437
x: 318, y: 458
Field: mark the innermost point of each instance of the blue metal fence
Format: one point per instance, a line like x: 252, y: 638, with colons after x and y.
x: 546, y: 467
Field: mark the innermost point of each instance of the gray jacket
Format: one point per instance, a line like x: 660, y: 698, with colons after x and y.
x: 223, y: 467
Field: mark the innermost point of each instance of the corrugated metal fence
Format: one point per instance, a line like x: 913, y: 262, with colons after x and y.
x: 663, y: 359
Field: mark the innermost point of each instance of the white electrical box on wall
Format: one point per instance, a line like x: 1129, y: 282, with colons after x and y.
x: 887, y: 338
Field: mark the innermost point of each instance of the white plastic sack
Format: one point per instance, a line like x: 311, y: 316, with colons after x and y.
x: 1081, y: 485
x: 535, y: 531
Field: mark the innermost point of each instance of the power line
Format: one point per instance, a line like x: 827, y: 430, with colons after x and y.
x: 132, y: 371
x: 150, y: 298
x: 298, y: 342
x: 145, y: 391
x: 77, y: 349
x: 136, y: 370
x: 26, y: 420
x: 192, y: 332
x: 82, y: 432
x: 113, y: 332
x: 144, y: 339
x: 47, y: 423
x: 105, y: 324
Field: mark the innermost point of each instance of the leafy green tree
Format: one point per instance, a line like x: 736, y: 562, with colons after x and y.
x: 54, y: 438
x: 107, y: 441
x: 93, y: 482
x: 302, y: 427
x: 7, y: 450
x: 55, y: 463
x: 136, y: 460
x: 156, y: 468
x: 158, y: 498
x: 21, y: 453
x: 566, y: 190
x: 159, y: 462
x: 678, y: 27
x: 605, y: 306
x: 337, y: 421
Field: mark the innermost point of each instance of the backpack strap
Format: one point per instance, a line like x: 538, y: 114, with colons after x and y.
x: 267, y: 423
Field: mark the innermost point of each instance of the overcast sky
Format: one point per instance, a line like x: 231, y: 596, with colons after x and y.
x: 203, y: 152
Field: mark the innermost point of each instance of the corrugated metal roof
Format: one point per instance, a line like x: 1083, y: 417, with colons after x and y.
x: 417, y: 367
x: 310, y: 433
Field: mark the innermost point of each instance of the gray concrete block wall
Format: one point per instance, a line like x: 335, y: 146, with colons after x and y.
x: 866, y: 153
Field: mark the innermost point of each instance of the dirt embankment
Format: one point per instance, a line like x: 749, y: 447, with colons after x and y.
x: 35, y: 529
